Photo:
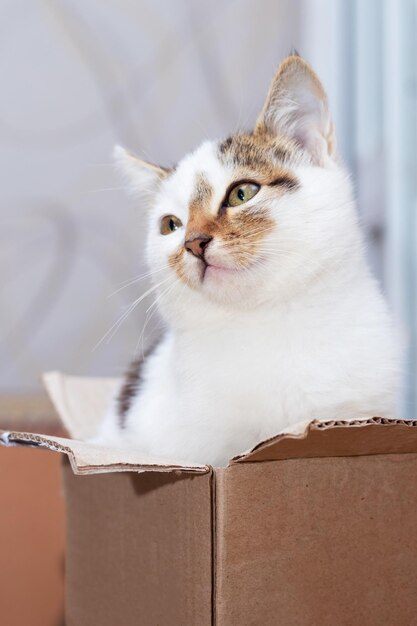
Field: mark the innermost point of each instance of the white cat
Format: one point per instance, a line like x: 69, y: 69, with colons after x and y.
x: 272, y: 315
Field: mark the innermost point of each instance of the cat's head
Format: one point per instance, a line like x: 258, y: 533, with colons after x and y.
x: 255, y: 216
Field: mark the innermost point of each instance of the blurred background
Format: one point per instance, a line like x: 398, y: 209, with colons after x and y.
x: 159, y: 77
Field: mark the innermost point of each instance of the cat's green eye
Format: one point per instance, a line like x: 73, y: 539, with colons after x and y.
x: 169, y: 224
x: 241, y: 193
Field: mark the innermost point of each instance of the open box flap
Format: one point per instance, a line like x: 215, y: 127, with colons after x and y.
x: 86, y: 458
x: 357, y: 437
x: 81, y: 402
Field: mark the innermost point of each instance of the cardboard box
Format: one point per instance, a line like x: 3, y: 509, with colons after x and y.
x: 313, y: 527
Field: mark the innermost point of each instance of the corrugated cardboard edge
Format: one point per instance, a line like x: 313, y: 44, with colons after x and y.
x: 90, y: 459
x: 356, y: 437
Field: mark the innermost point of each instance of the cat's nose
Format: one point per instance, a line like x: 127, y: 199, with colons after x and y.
x: 197, y: 245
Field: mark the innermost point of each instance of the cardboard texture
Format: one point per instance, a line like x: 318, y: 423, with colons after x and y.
x: 315, y: 526
x: 318, y: 541
x: 139, y: 549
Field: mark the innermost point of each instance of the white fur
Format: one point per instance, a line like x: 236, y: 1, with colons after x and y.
x: 303, y: 335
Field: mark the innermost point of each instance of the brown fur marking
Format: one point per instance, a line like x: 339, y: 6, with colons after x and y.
x: 176, y: 261
x: 199, y: 213
x: 203, y: 192
x: 243, y: 232
x: 259, y: 153
x: 131, y: 385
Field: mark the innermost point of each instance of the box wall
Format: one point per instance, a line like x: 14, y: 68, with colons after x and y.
x: 139, y: 549
x: 318, y: 541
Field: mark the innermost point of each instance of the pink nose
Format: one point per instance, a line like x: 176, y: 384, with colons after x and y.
x: 197, y: 245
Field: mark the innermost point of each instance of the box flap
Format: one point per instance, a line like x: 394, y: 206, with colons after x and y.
x: 86, y: 458
x: 80, y: 402
x: 376, y: 435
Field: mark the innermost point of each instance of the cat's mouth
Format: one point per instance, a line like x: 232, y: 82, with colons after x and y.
x: 217, y: 269
x: 213, y: 270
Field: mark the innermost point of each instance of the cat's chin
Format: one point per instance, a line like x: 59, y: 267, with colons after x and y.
x: 216, y: 278
x: 221, y: 285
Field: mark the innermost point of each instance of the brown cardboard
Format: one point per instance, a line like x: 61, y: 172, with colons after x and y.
x: 375, y: 435
x: 318, y: 541
x: 315, y: 526
x: 87, y: 458
x: 139, y: 549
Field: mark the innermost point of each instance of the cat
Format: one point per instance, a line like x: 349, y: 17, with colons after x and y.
x: 272, y: 315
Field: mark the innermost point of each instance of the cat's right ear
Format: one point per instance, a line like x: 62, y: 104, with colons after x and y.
x: 143, y: 177
x: 297, y: 107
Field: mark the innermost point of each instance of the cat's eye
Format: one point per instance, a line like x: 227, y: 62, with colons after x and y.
x: 241, y: 193
x: 169, y: 224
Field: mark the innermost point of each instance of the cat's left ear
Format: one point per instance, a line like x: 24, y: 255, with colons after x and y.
x: 297, y: 107
x: 143, y: 177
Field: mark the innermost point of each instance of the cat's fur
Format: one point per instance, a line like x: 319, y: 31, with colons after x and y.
x: 285, y: 323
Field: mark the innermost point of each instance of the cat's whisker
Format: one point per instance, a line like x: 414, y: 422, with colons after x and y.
x: 246, y: 240
x: 108, y: 189
x: 288, y: 239
x: 136, y: 279
x: 160, y: 296
x: 255, y: 251
x: 114, y: 328
x: 253, y: 233
x: 149, y: 315
x: 164, y: 294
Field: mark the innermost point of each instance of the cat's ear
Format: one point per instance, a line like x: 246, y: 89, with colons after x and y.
x: 143, y: 177
x: 296, y: 107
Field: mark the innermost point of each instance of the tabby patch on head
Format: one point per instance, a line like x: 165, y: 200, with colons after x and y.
x: 228, y: 216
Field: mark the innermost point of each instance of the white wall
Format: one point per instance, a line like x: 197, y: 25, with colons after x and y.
x: 76, y: 77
